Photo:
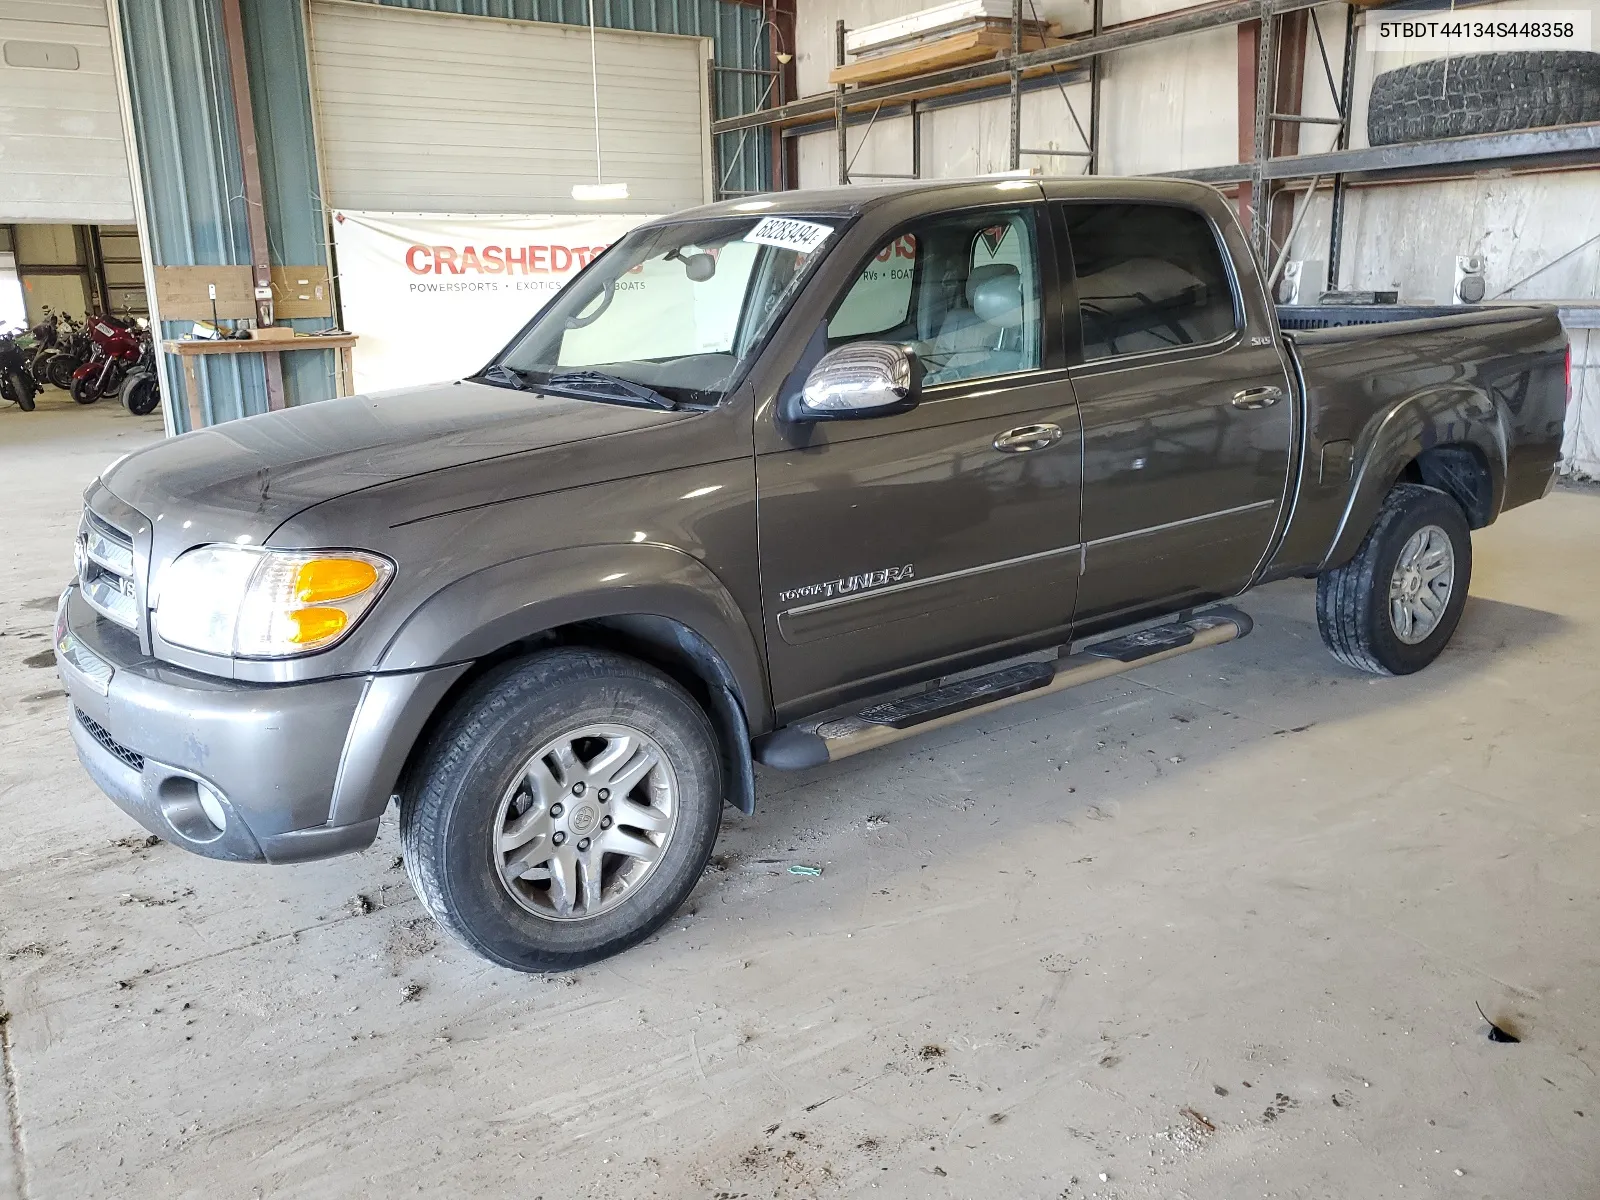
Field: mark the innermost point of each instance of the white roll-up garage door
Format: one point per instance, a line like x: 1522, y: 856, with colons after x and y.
x: 433, y: 112
x: 62, y: 155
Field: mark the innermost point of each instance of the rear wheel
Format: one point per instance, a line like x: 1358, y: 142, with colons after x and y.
x: 1392, y: 608
x: 141, y: 393
x: 60, y: 369
x: 565, y: 810
x: 19, y: 387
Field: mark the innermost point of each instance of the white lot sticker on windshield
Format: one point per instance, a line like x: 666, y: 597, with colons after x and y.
x: 801, y: 236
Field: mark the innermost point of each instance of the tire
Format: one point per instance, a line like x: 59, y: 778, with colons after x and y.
x: 1483, y: 93
x: 1353, y: 600
x: 457, y: 820
x: 40, y: 365
x: 19, y: 388
x: 60, y: 369
x: 140, y: 393
x: 84, y: 390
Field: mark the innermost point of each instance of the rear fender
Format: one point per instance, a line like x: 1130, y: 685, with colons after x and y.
x: 1394, y: 438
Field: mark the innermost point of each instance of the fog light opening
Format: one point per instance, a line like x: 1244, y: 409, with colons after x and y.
x: 211, y: 805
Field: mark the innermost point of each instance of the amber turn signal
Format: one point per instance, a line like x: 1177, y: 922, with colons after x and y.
x: 325, y: 579
x: 313, y: 625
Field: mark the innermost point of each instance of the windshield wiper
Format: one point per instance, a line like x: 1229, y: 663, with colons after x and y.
x: 504, y: 376
x: 601, y: 386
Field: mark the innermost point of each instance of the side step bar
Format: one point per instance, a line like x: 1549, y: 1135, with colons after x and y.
x: 814, y: 742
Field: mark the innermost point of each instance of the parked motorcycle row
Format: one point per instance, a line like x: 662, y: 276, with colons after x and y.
x: 98, y: 357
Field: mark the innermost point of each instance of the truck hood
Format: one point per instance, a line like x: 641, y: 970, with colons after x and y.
x: 254, y: 474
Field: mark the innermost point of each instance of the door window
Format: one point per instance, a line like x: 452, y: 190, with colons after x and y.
x: 1149, y: 277
x: 961, y: 289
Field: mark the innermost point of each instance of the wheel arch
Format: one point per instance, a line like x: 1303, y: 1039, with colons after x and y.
x: 1453, y: 439
x: 653, y: 603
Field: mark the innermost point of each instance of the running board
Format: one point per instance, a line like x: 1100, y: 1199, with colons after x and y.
x: 815, y: 742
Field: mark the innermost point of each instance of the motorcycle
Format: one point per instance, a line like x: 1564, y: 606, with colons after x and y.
x: 71, y: 352
x: 115, y: 349
x: 16, y: 384
x: 46, y: 334
x: 141, y: 390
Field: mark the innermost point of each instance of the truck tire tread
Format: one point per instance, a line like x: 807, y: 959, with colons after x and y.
x: 1352, y: 599
x: 1483, y: 93
x: 492, y: 709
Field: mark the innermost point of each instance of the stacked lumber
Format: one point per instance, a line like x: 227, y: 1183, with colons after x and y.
x: 951, y: 35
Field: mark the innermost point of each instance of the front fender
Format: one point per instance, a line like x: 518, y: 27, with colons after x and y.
x: 488, y: 610
x: 1394, y: 437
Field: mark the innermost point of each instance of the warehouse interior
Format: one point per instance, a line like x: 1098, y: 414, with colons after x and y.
x: 1238, y: 922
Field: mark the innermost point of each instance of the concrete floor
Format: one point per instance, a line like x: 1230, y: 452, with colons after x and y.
x: 1213, y: 929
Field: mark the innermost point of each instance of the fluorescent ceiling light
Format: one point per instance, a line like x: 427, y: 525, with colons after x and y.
x: 599, y: 191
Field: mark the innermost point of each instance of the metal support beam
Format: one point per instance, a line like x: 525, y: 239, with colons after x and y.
x: 1336, y: 213
x: 1541, y: 149
x: 255, y: 212
x: 1096, y: 72
x: 916, y: 141
x: 1261, y: 149
x: 838, y: 104
x: 1014, y: 155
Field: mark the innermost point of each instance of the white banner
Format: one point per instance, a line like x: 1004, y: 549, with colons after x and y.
x: 434, y: 297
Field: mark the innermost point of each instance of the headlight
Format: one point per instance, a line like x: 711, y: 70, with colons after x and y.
x: 246, y: 602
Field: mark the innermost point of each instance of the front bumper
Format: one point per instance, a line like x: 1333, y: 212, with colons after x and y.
x: 299, y: 771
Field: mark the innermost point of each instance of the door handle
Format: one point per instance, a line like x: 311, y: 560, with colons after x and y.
x: 1261, y: 397
x: 1027, y: 437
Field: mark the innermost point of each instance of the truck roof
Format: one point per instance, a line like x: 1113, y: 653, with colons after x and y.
x: 851, y: 199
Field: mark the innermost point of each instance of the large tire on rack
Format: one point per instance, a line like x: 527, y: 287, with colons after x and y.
x: 1392, y: 608
x: 564, y: 810
x: 1483, y: 93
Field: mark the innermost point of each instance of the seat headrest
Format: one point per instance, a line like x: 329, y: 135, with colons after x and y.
x: 995, y: 293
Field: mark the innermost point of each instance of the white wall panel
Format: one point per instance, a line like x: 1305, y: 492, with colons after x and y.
x: 62, y: 154
x: 434, y: 112
x: 1539, y: 236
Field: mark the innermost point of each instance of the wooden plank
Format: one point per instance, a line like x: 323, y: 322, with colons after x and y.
x: 955, y: 51
x: 182, y: 293
x: 301, y: 292
x: 194, y: 347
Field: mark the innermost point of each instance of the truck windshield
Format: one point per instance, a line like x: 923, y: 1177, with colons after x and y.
x: 676, y: 309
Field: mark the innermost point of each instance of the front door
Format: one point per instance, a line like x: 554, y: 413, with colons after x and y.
x: 893, y: 543
x: 1187, y: 413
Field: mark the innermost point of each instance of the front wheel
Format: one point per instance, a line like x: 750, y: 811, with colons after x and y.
x: 19, y: 387
x: 1392, y: 608
x: 565, y: 810
x: 86, y: 390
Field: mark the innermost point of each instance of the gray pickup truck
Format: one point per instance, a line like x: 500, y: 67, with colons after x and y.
x: 772, y: 481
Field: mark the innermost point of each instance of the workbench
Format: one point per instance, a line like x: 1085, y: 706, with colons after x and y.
x: 190, y: 349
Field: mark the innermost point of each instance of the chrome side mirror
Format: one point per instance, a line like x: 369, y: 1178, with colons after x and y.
x: 863, y: 379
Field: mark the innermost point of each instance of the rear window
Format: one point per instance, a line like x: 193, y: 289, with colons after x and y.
x: 1149, y: 277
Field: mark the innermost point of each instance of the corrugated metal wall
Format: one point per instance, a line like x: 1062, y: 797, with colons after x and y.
x: 189, y: 157
x: 193, y: 182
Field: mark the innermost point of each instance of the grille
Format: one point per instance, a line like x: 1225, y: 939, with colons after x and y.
x: 108, y: 743
x: 105, y: 571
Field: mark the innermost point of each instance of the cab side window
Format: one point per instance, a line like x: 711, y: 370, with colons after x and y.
x: 1149, y: 277
x: 961, y: 289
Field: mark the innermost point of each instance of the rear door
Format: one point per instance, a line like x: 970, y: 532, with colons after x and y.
x: 893, y: 544
x: 1187, y: 413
